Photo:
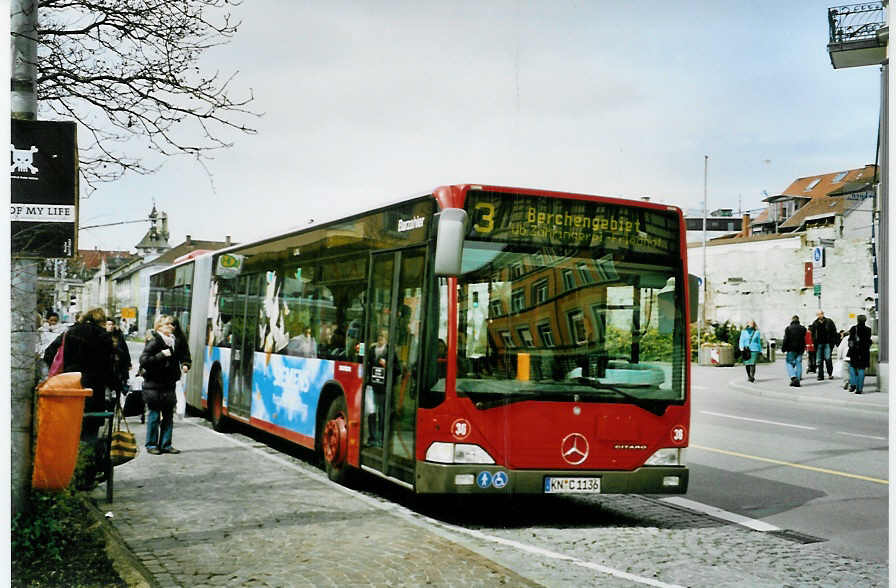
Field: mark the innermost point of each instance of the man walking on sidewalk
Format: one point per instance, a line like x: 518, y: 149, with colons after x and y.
x: 824, y: 334
x: 793, y: 345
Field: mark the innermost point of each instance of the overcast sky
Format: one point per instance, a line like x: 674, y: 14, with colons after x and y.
x: 367, y: 102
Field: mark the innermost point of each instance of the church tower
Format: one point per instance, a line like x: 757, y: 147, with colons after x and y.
x: 155, y: 242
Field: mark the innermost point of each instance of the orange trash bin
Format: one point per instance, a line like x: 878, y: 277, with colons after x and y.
x: 60, y: 409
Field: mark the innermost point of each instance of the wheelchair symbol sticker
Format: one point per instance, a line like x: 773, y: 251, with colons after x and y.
x: 500, y: 480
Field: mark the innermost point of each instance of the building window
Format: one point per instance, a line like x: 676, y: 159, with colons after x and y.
x: 516, y: 270
x: 518, y: 301
x: 584, y: 273
x: 812, y: 184
x: 576, y: 320
x: 540, y: 292
x: 495, y: 308
x: 508, y: 339
x: 569, y: 280
x: 839, y: 177
x: 547, y: 337
x: 606, y: 269
x: 526, y: 337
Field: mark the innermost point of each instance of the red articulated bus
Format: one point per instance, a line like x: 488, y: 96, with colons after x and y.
x: 476, y: 340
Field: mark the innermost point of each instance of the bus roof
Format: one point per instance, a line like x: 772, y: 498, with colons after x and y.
x: 454, y: 188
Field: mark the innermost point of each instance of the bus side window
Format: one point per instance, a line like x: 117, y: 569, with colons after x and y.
x: 435, y: 350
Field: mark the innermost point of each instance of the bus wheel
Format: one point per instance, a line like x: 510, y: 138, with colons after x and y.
x: 334, y: 441
x: 215, y: 408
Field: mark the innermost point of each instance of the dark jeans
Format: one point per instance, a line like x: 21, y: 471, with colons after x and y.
x: 159, y: 428
x: 857, y: 378
x: 823, y: 358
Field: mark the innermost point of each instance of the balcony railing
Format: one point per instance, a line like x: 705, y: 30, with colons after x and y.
x: 856, y: 22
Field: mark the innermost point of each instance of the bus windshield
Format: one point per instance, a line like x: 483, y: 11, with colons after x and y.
x: 542, y: 323
x: 570, y: 299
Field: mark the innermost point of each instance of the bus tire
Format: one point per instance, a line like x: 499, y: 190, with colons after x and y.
x: 334, y: 440
x: 216, y: 404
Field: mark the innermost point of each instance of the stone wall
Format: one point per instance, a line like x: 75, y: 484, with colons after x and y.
x: 763, y: 278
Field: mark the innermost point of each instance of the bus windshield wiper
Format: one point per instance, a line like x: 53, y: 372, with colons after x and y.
x: 656, y: 407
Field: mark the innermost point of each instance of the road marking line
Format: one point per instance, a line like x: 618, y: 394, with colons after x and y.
x: 718, y: 513
x: 862, y: 436
x: 554, y: 555
x: 740, y: 418
x: 424, y: 521
x: 793, y: 465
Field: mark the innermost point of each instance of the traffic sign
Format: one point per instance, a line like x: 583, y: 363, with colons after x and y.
x: 818, y: 256
x: 817, y: 290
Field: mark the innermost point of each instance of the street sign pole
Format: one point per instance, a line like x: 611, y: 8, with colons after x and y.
x: 23, y: 295
x: 703, y: 284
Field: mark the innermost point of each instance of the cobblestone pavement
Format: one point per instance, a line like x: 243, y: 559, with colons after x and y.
x: 226, y: 513
x: 654, y: 541
x: 229, y: 511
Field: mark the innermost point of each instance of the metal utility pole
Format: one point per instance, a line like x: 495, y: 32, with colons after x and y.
x: 883, y: 257
x: 23, y: 295
x: 705, y: 212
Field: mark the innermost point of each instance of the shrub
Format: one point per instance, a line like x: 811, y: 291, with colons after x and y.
x: 54, y: 543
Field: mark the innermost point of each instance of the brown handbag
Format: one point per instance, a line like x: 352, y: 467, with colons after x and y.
x: 124, y: 443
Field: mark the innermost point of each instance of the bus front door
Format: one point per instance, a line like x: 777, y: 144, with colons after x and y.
x: 244, y: 334
x: 392, y: 348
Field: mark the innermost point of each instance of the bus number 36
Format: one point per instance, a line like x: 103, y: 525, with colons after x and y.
x: 460, y: 429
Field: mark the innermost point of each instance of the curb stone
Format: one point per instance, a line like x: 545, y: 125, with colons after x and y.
x: 132, y: 571
x: 797, y: 397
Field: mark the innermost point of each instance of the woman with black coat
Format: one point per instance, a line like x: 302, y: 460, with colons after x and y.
x: 88, y: 349
x: 121, y: 358
x: 859, y: 354
x: 161, y: 371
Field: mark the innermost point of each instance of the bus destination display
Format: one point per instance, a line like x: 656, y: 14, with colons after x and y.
x: 518, y: 218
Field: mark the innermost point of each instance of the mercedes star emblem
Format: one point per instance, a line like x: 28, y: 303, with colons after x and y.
x: 574, y: 448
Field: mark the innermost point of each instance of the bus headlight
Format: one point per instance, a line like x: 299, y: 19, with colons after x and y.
x: 668, y: 456
x: 440, y: 452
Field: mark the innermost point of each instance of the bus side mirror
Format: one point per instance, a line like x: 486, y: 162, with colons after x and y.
x: 450, y: 241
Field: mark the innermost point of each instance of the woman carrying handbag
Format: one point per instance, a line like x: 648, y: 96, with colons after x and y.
x: 161, y: 371
x: 750, y: 347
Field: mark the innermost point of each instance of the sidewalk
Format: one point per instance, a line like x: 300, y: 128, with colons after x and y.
x: 230, y: 512
x: 772, y: 381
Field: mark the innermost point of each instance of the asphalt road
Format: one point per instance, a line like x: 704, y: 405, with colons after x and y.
x: 815, y: 473
x: 814, y: 468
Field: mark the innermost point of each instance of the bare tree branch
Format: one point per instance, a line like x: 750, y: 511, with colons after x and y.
x: 128, y: 72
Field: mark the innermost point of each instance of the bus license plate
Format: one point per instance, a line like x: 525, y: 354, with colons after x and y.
x: 572, y: 485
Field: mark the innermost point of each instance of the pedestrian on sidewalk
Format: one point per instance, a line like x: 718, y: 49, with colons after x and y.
x: 810, y: 352
x: 121, y: 358
x: 88, y: 348
x: 793, y: 345
x: 824, y: 335
x: 843, y: 359
x: 161, y: 370
x: 750, y: 340
x: 47, y: 333
x: 182, y: 351
x: 859, y: 354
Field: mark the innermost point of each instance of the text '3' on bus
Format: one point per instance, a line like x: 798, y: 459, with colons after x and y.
x: 476, y: 340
